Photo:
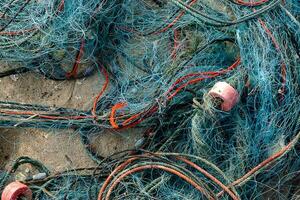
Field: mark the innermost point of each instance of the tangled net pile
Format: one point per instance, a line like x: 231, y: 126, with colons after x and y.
x: 159, y: 59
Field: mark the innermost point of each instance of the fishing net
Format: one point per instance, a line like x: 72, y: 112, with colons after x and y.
x: 157, y: 62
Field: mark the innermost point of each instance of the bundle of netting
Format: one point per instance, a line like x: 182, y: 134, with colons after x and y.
x: 258, y: 54
x: 61, y: 39
x: 263, y: 127
x: 147, y: 72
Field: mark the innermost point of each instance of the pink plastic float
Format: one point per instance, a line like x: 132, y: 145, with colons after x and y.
x: 15, y: 190
x: 226, y: 93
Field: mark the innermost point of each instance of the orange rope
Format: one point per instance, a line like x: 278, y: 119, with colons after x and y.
x: 211, y: 177
x: 100, y: 93
x: 196, y: 80
x: 113, y: 113
x: 262, y: 165
x: 155, y: 166
x: 175, y: 20
x: 74, y: 71
x: 258, y: 3
x: 109, y: 178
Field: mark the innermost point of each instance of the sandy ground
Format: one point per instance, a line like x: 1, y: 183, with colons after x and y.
x: 57, y: 149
